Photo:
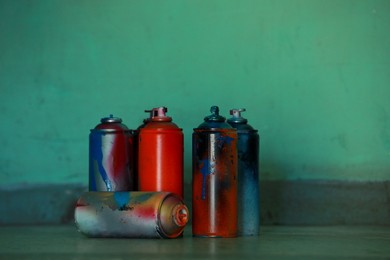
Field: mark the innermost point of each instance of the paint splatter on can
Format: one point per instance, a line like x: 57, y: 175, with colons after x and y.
x: 248, y: 175
x: 111, y: 156
x: 131, y: 214
x: 214, y: 178
x: 160, y: 154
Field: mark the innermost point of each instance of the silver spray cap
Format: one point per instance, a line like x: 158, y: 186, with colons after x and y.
x: 236, y: 116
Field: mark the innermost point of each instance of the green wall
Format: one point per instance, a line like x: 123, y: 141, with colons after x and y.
x: 314, y: 77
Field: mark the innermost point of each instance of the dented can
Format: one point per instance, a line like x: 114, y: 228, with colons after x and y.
x: 111, y: 156
x: 248, y: 175
x: 214, y: 178
x: 131, y: 214
x: 160, y: 154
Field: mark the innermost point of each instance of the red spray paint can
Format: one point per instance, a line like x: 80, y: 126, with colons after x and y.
x: 160, y: 154
x: 214, y: 178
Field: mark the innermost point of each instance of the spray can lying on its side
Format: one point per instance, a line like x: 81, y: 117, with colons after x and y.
x: 131, y: 214
x: 248, y: 175
x: 214, y: 178
x: 111, y: 156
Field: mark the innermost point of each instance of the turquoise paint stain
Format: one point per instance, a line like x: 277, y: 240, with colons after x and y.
x: 122, y: 199
x: 207, y: 168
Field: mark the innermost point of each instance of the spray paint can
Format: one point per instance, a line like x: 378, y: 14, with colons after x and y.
x: 214, y: 178
x: 248, y: 175
x: 160, y: 154
x: 110, y: 156
x: 131, y: 214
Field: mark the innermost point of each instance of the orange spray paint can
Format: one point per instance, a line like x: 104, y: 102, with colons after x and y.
x: 160, y: 154
x: 214, y: 178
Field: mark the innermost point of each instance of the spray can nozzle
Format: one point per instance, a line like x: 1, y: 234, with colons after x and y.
x: 111, y: 119
x: 214, y: 117
x: 236, y: 116
x: 158, y: 114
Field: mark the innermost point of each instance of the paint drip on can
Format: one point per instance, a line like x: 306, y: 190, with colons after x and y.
x: 111, y: 156
x: 131, y: 214
x: 214, y: 178
x: 248, y: 175
x: 160, y: 154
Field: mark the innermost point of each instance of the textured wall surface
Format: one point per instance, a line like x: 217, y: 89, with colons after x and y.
x: 299, y: 202
x: 314, y: 77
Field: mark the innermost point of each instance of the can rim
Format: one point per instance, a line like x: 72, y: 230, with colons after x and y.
x: 215, y: 129
x: 112, y: 131
x: 161, y: 231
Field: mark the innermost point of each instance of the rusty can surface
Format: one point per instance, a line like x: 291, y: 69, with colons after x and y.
x: 111, y: 156
x: 160, y: 154
x: 131, y: 214
x: 248, y: 175
x: 214, y: 178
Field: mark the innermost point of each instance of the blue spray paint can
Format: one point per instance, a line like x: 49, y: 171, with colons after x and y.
x: 111, y: 156
x: 248, y: 175
x: 214, y: 178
